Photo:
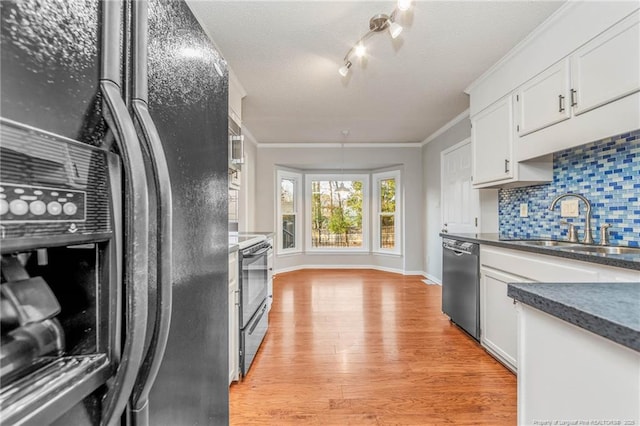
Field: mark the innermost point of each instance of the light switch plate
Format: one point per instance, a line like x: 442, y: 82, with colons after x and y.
x: 524, y: 210
x: 569, y: 208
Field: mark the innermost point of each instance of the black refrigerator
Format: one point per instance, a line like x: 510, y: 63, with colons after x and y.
x: 113, y: 215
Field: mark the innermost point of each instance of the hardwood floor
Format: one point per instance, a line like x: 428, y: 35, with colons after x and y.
x: 365, y: 347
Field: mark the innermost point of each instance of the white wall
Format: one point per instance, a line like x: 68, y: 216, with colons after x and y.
x: 433, y: 219
x: 352, y: 158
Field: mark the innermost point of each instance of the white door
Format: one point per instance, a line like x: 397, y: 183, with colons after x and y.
x: 460, y: 202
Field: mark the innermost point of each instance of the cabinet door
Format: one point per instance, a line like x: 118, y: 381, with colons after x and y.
x: 492, y: 138
x: 608, y: 67
x: 234, y: 331
x: 498, y: 317
x: 544, y: 100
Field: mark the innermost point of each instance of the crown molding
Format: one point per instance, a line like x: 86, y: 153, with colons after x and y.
x: 334, y: 145
x: 249, y: 136
x: 562, y: 10
x: 464, y: 114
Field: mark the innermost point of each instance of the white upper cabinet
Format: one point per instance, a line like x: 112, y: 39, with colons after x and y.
x: 573, y: 80
x: 492, y: 138
x: 494, y: 164
x: 236, y: 93
x: 544, y: 100
x: 608, y: 67
x: 589, y: 95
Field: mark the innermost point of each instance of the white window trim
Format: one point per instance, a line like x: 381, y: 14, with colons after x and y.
x: 365, y: 211
x: 297, y: 201
x: 377, y: 177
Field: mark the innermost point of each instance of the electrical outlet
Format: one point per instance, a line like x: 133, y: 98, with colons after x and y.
x: 524, y: 210
x: 569, y: 208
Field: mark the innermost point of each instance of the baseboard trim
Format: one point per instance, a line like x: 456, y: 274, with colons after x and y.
x: 377, y: 268
x: 432, y: 278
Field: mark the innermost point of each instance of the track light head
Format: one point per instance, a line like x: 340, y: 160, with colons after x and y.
x: 394, y: 29
x: 344, y: 70
x: 404, y: 5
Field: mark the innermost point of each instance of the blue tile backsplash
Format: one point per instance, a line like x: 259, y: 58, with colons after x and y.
x: 606, y: 172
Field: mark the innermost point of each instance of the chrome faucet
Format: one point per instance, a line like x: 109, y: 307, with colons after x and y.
x: 588, y: 237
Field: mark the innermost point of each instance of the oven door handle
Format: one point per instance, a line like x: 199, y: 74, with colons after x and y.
x: 136, y: 213
x: 257, y: 320
x: 257, y: 253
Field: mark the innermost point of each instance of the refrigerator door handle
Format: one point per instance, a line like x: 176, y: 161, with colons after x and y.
x: 154, y: 151
x: 136, y: 210
x: 160, y: 335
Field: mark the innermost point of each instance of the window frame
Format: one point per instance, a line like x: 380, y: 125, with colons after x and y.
x: 377, y: 213
x: 365, y: 178
x: 298, y: 203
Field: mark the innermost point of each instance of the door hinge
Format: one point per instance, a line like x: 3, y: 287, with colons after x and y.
x: 517, y: 98
x: 518, y: 127
x: 476, y: 221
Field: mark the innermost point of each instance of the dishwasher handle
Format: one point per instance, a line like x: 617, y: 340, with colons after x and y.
x: 456, y: 251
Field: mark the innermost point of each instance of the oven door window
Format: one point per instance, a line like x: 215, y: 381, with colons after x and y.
x: 254, y: 283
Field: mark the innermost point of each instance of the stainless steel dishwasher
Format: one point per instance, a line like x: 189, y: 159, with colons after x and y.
x: 461, y: 284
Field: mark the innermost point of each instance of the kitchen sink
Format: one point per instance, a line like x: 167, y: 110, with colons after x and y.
x: 605, y: 249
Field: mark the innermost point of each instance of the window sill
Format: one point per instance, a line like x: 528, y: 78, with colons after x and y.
x: 338, y: 252
x: 387, y: 254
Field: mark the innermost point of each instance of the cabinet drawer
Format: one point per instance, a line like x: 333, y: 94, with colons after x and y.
x: 536, y: 267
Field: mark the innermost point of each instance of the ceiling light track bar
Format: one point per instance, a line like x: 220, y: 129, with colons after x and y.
x: 377, y: 23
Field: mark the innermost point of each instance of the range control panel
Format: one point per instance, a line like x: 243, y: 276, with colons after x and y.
x: 25, y: 203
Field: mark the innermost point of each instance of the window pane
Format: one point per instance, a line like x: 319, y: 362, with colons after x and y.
x: 287, y: 196
x: 388, y: 196
x: 387, y: 232
x: 336, y: 214
x: 288, y: 231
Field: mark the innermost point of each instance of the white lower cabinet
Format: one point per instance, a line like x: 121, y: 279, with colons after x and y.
x: 270, y: 275
x: 500, y: 266
x: 234, y: 328
x: 570, y: 375
x: 498, y: 329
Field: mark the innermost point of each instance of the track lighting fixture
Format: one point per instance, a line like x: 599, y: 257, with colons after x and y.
x: 377, y: 24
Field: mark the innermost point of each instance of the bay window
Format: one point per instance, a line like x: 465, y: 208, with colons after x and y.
x: 289, y: 185
x: 337, y: 212
x: 386, y: 206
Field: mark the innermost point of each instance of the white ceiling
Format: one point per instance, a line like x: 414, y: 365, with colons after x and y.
x: 286, y: 55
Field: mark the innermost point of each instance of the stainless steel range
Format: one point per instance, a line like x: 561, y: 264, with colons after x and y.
x: 254, y: 321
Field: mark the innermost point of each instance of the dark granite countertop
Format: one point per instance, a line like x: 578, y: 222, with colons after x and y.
x: 610, y: 310
x: 627, y: 260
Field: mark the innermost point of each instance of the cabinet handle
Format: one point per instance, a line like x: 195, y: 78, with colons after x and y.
x: 574, y: 100
x: 506, y: 166
x: 560, y: 103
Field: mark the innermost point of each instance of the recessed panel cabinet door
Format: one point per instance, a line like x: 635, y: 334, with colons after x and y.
x: 492, y: 137
x: 498, y: 317
x: 234, y: 327
x: 608, y: 67
x: 544, y: 100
